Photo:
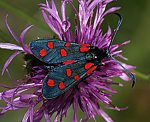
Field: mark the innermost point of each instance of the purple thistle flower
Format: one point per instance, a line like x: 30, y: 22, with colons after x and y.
x: 92, y: 91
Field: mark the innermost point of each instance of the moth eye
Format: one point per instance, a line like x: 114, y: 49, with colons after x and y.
x: 95, y: 56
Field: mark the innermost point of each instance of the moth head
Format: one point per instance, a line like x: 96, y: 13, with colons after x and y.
x: 96, y: 55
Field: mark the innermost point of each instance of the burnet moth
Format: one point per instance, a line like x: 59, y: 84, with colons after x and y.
x: 69, y: 63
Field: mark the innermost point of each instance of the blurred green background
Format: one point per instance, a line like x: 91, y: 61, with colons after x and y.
x: 135, y: 27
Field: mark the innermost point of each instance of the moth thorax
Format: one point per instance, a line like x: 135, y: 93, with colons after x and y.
x: 96, y: 55
x: 90, y: 56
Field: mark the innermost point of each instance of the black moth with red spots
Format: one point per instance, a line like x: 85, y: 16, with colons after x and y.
x: 69, y: 63
x: 72, y: 63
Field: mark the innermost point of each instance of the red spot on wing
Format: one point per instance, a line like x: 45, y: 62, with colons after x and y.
x: 68, y: 61
x: 42, y: 52
x: 84, y: 49
x: 50, y: 45
x: 61, y: 85
x: 67, y: 44
x: 63, y: 52
x: 91, y: 70
x: 88, y: 65
x: 68, y: 72
x: 76, y: 77
x: 50, y: 83
x: 85, y: 45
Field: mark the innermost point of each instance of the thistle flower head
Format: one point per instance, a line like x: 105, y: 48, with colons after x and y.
x: 91, y: 92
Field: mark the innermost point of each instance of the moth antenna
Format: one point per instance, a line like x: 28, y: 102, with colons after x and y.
x: 116, y: 30
x: 130, y: 75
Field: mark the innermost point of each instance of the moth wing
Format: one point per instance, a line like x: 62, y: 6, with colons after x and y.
x: 56, y: 51
x: 60, y: 79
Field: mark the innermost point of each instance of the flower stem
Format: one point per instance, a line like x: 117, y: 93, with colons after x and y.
x: 142, y: 75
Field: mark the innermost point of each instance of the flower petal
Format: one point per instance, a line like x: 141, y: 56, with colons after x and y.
x: 10, y: 46
x: 46, y: 116
x: 111, y: 10
x: 26, y: 116
x: 23, y: 34
x: 10, y: 30
x: 75, y: 107
x: 9, y: 61
x: 105, y: 116
x: 52, y: 23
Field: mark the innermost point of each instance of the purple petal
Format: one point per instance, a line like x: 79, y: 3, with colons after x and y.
x: 75, y: 107
x: 26, y: 49
x: 10, y: 76
x: 125, y: 77
x: 52, y: 13
x: 9, y: 61
x: 53, y: 6
x: 21, y: 38
x: 105, y: 116
x: 7, y: 94
x: 31, y: 113
x: 52, y: 18
x: 111, y: 10
x: 93, y: 4
x: 26, y: 116
x: 63, y: 10
x: 10, y: 46
x: 49, y: 21
x: 108, y: 1
x: 46, y: 116
x: 27, y: 96
x: 23, y: 34
x: 10, y: 30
